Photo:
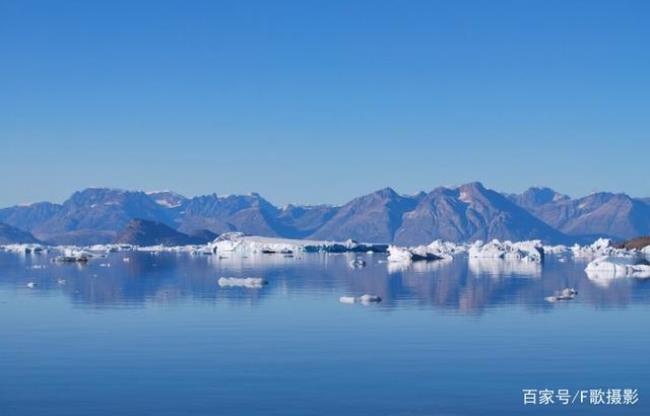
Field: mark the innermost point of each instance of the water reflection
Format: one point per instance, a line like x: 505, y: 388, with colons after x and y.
x: 459, y: 286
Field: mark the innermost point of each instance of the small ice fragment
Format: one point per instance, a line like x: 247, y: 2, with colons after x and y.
x: 369, y: 299
x: 565, y: 294
x: 347, y: 299
x: 249, y: 282
x: 31, y: 285
x: 357, y: 263
x: 60, y: 281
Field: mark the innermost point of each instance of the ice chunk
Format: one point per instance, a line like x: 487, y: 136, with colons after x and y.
x: 557, y: 250
x: 24, y: 248
x: 242, y: 244
x: 369, y: 298
x: 73, y: 255
x: 248, y: 282
x: 599, y: 248
x: 617, y: 266
x: 397, y: 254
x: 525, y: 251
x: 363, y: 299
x: 357, y: 263
x: 31, y: 285
x: 565, y: 294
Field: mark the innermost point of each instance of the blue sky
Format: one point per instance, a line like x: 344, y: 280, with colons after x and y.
x: 320, y: 101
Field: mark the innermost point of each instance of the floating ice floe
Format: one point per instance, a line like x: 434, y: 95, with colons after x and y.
x: 31, y: 285
x: 357, y: 263
x: 557, y: 250
x: 24, y: 248
x: 73, y: 255
x: 397, y: 254
x: 525, y: 251
x: 111, y: 248
x: 242, y: 244
x: 611, y: 267
x: 363, y: 299
x: 61, y: 282
x: 599, y: 248
x: 248, y: 282
x: 565, y: 294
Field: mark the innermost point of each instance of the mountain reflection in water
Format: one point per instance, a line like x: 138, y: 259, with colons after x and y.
x: 462, y: 285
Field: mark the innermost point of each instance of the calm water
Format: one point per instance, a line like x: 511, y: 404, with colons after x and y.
x: 158, y: 336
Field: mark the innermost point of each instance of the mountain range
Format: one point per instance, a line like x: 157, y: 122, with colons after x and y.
x: 464, y: 213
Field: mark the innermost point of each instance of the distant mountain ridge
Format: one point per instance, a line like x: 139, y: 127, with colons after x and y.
x: 465, y: 213
x: 150, y: 233
x: 13, y: 235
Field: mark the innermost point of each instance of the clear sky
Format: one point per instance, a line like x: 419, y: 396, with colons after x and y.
x: 321, y: 101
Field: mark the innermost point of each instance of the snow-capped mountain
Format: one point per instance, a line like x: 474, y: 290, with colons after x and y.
x: 95, y: 215
x: 167, y: 199
x: 464, y: 213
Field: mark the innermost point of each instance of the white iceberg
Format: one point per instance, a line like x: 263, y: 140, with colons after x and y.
x: 347, y: 299
x: 617, y: 266
x: 24, y: 248
x: 557, y: 250
x: 524, y: 251
x: 599, y: 248
x: 363, y: 299
x: 397, y: 254
x: 565, y: 294
x: 242, y: 244
x: 357, y: 263
x: 248, y: 282
x: 73, y: 255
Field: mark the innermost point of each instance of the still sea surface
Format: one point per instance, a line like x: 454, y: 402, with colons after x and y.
x: 157, y: 336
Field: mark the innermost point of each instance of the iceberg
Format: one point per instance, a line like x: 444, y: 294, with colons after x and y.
x: 565, y: 294
x: 525, y: 251
x: 242, y: 244
x: 73, y: 255
x: 397, y: 254
x: 24, y: 248
x: 612, y: 267
x: 557, y: 250
x: 599, y: 248
x: 363, y: 299
x: 357, y: 263
x: 247, y: 282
